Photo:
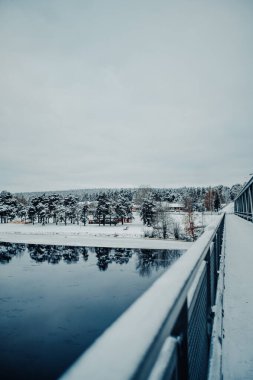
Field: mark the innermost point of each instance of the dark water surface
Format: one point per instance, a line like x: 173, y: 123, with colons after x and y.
x: 56, y: 300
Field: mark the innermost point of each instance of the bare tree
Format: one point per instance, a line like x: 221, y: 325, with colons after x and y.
x: 163, y: 222
x: 209, y: 200
x: 189, y: 219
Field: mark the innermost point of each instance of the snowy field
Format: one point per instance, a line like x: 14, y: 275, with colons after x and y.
x: 129, y: 235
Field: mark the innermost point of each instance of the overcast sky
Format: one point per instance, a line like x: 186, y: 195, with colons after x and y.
x: 124, y: 93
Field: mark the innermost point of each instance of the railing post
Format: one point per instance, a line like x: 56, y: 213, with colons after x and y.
x: 210, y: 295
x: 199, y: 327
x: 180, y: 332
x: 251, y: 204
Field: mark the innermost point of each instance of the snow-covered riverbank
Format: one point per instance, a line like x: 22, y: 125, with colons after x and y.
x: 129, y: 235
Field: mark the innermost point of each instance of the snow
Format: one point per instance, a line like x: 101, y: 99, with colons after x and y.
x: 159, y: 371
x: 129, y: 235
x: 215, y: 357
x: 237, y: 352
x: 229, y: 209
x: 126, y: 236
x: 92, y: 241
x: 121, y: 348
x: 176, y: 205
x: 200, y: 218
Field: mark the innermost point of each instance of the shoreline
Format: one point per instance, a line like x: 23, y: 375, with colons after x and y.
x: 91, y: 241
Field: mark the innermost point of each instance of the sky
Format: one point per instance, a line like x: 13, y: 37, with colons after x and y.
x: 125, y: 93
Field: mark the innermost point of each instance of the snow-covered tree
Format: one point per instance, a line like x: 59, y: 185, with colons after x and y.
x: 22, y: 213
x: 103, y: 208
x: 84, y: 213
x: 31, y: 213
x: 234, y: 191
x: 8, y: 206
x: 142, y: 193
x: 70, y: 204
x: 216, y: 202
x: 148, y: 211
x: 54, y: 202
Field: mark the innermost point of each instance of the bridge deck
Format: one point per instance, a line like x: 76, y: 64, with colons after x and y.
x: 237, y: 352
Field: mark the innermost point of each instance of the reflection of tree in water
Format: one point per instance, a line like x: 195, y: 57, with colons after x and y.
x: 103, y: 256
x: 84, y: 252
x: 149, y: 260
x: 41, y: 253
x: 146, y: 260
x: 53, y: 253
x: 108, y: 256
x: 122, y: 255
x: 9, y: 250
x: 71, y: 255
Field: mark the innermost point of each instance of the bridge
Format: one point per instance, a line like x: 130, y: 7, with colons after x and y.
x: 244, y: 202
x: 195, y: 322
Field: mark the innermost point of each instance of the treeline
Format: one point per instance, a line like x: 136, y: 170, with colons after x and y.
x: 111, y: 206
x: 226, y: 194
x: 202, y: 198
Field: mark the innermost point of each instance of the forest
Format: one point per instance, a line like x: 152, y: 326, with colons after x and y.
x: 110, y: 206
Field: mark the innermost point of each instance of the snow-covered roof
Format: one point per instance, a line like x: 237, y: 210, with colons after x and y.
x: 175, y: 205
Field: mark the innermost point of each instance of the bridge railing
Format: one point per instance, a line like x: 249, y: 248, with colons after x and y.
x: 243, y: 203
x: 166, y: 333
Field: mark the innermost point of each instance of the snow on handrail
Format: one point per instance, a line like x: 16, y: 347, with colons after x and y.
x: 122, y: 348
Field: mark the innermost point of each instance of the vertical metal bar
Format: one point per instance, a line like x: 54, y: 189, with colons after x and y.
x: 236, y: 207
x: 199, y: 327
x: 165, y: 367
x: 180, y: 331
x: 251, y: 203
x: 210, y: 296
x: 215, y: 262
x: 246, y: 204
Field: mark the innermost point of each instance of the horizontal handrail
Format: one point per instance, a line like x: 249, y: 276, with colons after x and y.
x: 130, y: 347
x: 244, y: 213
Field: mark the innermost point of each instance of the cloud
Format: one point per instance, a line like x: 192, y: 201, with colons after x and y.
x: 119, y: 94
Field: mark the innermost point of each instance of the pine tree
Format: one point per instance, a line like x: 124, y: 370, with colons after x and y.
x: 84, y: 214
x: 70, y: 205
x: 54, y: 201
x: 103, y: 208
x: 148, y: 211
x: 120, y: 208
x: 31, y: 213
x: 8, y: 206
x: 217, y: 202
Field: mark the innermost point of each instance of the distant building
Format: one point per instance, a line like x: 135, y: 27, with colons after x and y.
x: 176, y: 207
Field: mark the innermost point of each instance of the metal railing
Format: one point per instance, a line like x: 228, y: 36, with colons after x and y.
x: 166, y: 333
x: 243, y: 205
